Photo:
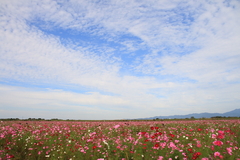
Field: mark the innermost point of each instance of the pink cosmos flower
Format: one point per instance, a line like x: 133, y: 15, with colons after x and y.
x: 199, y: 145
x: 160, y: 158
x: 217, y: 154
x: 116, y: 126
x: 214, y: 135
x: 172, y: 145
x: 163, y: 144
x: 220, y: 136
x: 218, y: 143
x: 2, y: 135
x: 229, y: 150
x: 93, y: 133
x: 221, y: 132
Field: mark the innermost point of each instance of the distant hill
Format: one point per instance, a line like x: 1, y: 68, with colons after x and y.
x: 234, y: 113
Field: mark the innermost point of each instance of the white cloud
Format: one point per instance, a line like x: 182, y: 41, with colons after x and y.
x: 60, y: 101
x: 186, y: 49
x: 217, y: 32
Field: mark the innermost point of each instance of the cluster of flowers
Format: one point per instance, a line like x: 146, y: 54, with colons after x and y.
x: 199, y: 139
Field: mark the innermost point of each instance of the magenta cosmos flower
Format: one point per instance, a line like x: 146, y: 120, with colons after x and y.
x: 218, y: 143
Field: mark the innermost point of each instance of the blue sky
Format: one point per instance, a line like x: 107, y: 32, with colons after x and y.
x: 74, y: 59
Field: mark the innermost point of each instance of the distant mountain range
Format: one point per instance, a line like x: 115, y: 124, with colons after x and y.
x: 234, y: 113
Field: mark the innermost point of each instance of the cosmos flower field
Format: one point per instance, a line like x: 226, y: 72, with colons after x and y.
x: 131, y: 140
